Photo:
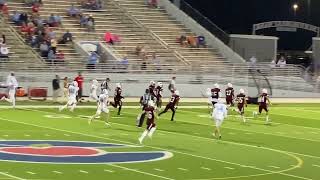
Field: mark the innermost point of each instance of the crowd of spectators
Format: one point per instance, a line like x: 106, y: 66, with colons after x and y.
x: 192, y: 41
x: 92, y: 4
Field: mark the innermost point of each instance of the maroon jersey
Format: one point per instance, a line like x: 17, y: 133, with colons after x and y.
x: 215, y: 93
x: 229, y: 93
x: 174, y: 100
x: 263, y: 98
x: 241, y: 98
x: 150, y: 117
x: 152, y: 89
x: 159, y: 92
x: 118, y: 92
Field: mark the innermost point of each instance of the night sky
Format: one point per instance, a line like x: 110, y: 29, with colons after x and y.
x: 238, y: 16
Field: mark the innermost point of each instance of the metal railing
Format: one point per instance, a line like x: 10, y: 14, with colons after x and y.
x: 204, y: 21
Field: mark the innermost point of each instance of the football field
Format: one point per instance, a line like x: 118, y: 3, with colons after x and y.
x: 42, y: 143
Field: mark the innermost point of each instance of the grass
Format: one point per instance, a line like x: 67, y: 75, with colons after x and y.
x: 287, y: 149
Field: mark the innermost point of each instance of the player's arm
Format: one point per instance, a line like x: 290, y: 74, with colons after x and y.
x: 268, y: 100
x: 177, y: 103
x: 245, y: 101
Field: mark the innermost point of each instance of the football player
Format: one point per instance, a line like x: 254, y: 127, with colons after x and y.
x: 219, y: 113
x: 93, y: 90
x: 215, y: 94
x: 159, y: 90
x: 105, y: 85
x: 264, y: 103
x: 72, y: 99
x: 152, y: 88
x: 12, y: 85
x: 151, y: 125
x: 117, y: 98
x: 144, y: 103
x: 102, y: 107
x: 229, y: 95
x: 242, y: 102
x: 173, y: 104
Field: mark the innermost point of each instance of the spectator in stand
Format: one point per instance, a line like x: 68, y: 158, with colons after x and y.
x: 34, y: 41
x: 3, y: 39
x: 108, y: 38
x: 92, y: 60
x: 16, y: 18
x: 53, y: 45
x: 183, y: 41
x: 83, y: 21
x: 138, y: 50
x: 192, y: 41
x: 2, y: 2
x: 73, y: 11
x: 273, y: 63
x: 282, y: 62
x: 56, y: 88
x: 155, y: 61
x: 79, y: 79
x: 35, y: 8
x: 54, y: 20
x: 202, y: 41
x: 4, y: 51
x: 24, y: 18
x: 51, y: 34
x: 5, y: 10
x: 90, y: 23
x: 124, y: 63
x: 44, y: 49
x: 67, y: 37
x: 51, y: 56
x: 60, y: 57
x: 153, y: 3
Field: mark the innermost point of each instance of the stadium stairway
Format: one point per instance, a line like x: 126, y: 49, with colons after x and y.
x: 168, y: 29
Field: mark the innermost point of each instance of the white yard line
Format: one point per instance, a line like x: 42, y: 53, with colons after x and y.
x: 160, y: 170
x: 11, y: 176
x: 32, y: 173
x: 205, y: 168
x: 316, y: 165
x: 57, y: 172
x: 276, y: 167
x: 85, y: 172
x: 107, y: 170
x: 182, y: 169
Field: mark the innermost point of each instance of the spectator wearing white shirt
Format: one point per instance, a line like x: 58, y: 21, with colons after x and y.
x: 282, y: 62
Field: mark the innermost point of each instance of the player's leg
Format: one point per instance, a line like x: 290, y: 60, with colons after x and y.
x: 217, y: 130
x: 114, y: 103
x: 107, y: 117
x: 70, y: 101
x: 267, y: 115
x: 165, y: 110
x: 141, y: 119
x: 145, y: 133
x: 120, y: 107
x: 152, y: 130
x: 241, y: 110
x: 95, y: 115
x: 73, y: 105
x: 173, y: 113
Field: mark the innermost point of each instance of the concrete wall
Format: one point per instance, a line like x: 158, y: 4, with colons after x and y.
x: 264, y: 48
x: 198, y: 29
x: 316, y: 53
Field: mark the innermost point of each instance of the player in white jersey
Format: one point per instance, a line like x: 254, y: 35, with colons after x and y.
x: 12, y: 85
x: 72, y: 99
x: 93, y: 90
x: 219, y: 113
x: 102, y: 107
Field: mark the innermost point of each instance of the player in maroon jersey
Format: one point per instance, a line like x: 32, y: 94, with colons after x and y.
x: 151, y: 117
x: 117, y: 98
x: 158, y: 92
x: 264, y: 103
x: 229, y: 95
x: 173, y: 103
x: 152, y: 88
x: 242, y: 102
x: 215, y: 94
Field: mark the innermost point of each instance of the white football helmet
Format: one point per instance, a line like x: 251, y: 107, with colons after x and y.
x: 229, y: 85
x: 95, y: 82
x: 265, y: 91
x: 216, y: 85
x: 151, y: 103
x: 75, y: 83
x: 105, y: 91
x: 118, y: 85
x: 152, y: 83
x: 176, y: 92
x: 241, y: 91
x: 160, y: 84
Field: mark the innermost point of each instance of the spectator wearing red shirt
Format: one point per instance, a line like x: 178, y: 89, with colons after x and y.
x: 35, y: 8
x: 79, y: 80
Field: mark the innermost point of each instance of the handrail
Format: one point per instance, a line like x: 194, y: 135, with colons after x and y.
x: 137, y: 22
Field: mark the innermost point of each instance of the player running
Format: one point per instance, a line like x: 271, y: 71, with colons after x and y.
x: 151, y: 125
x: 242, y: 102
x: 158, y: 92
x: 72, y: 99
x: 173, y: 104
x: 102, y: 107
x: 215, y: 94
x: 93, y: 90
x: 264, y: 103
x: 144, y: 100
x: 152, y: 88
x: 229, y: 92
x: 12, y: 85
x: 219, y: 113
x: 117, y: 98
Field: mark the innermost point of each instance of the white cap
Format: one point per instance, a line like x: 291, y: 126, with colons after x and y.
x: 176, y: 92
x: 264, y: 91
x: 118, y: 85
x: 241, y: 91
x: 216, y: 85
x: 229, y: 85
x: 105, y: 91
x: 75, y: 83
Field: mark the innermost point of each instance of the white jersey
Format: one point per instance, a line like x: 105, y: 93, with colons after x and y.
x: 73, y: 91
x: 93, y: 92
x: 103, y: 104
x: 220, y: 111
x: 12, y: 83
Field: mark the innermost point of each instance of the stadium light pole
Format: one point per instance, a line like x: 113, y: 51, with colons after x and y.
x: 295, y: 7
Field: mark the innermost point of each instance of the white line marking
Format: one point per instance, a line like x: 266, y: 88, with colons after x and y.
x: 276, y: 167
x: 66, y: 134
x: 106, y: 170
x: 160, y: 170
x: 11, y: 176
x: 6, y: 135
x: 82, y: 171
x: 229, y: 168
x: 47, y: 135
x: 57, y: 172
x: 32, y: 173
x: 205, y: 168
x: 27, y: 135
x: 182, y: 169
x: 316, y: 165
x: 124, y: 134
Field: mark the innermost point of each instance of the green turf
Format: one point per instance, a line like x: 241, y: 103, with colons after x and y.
x: 287, y: 149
